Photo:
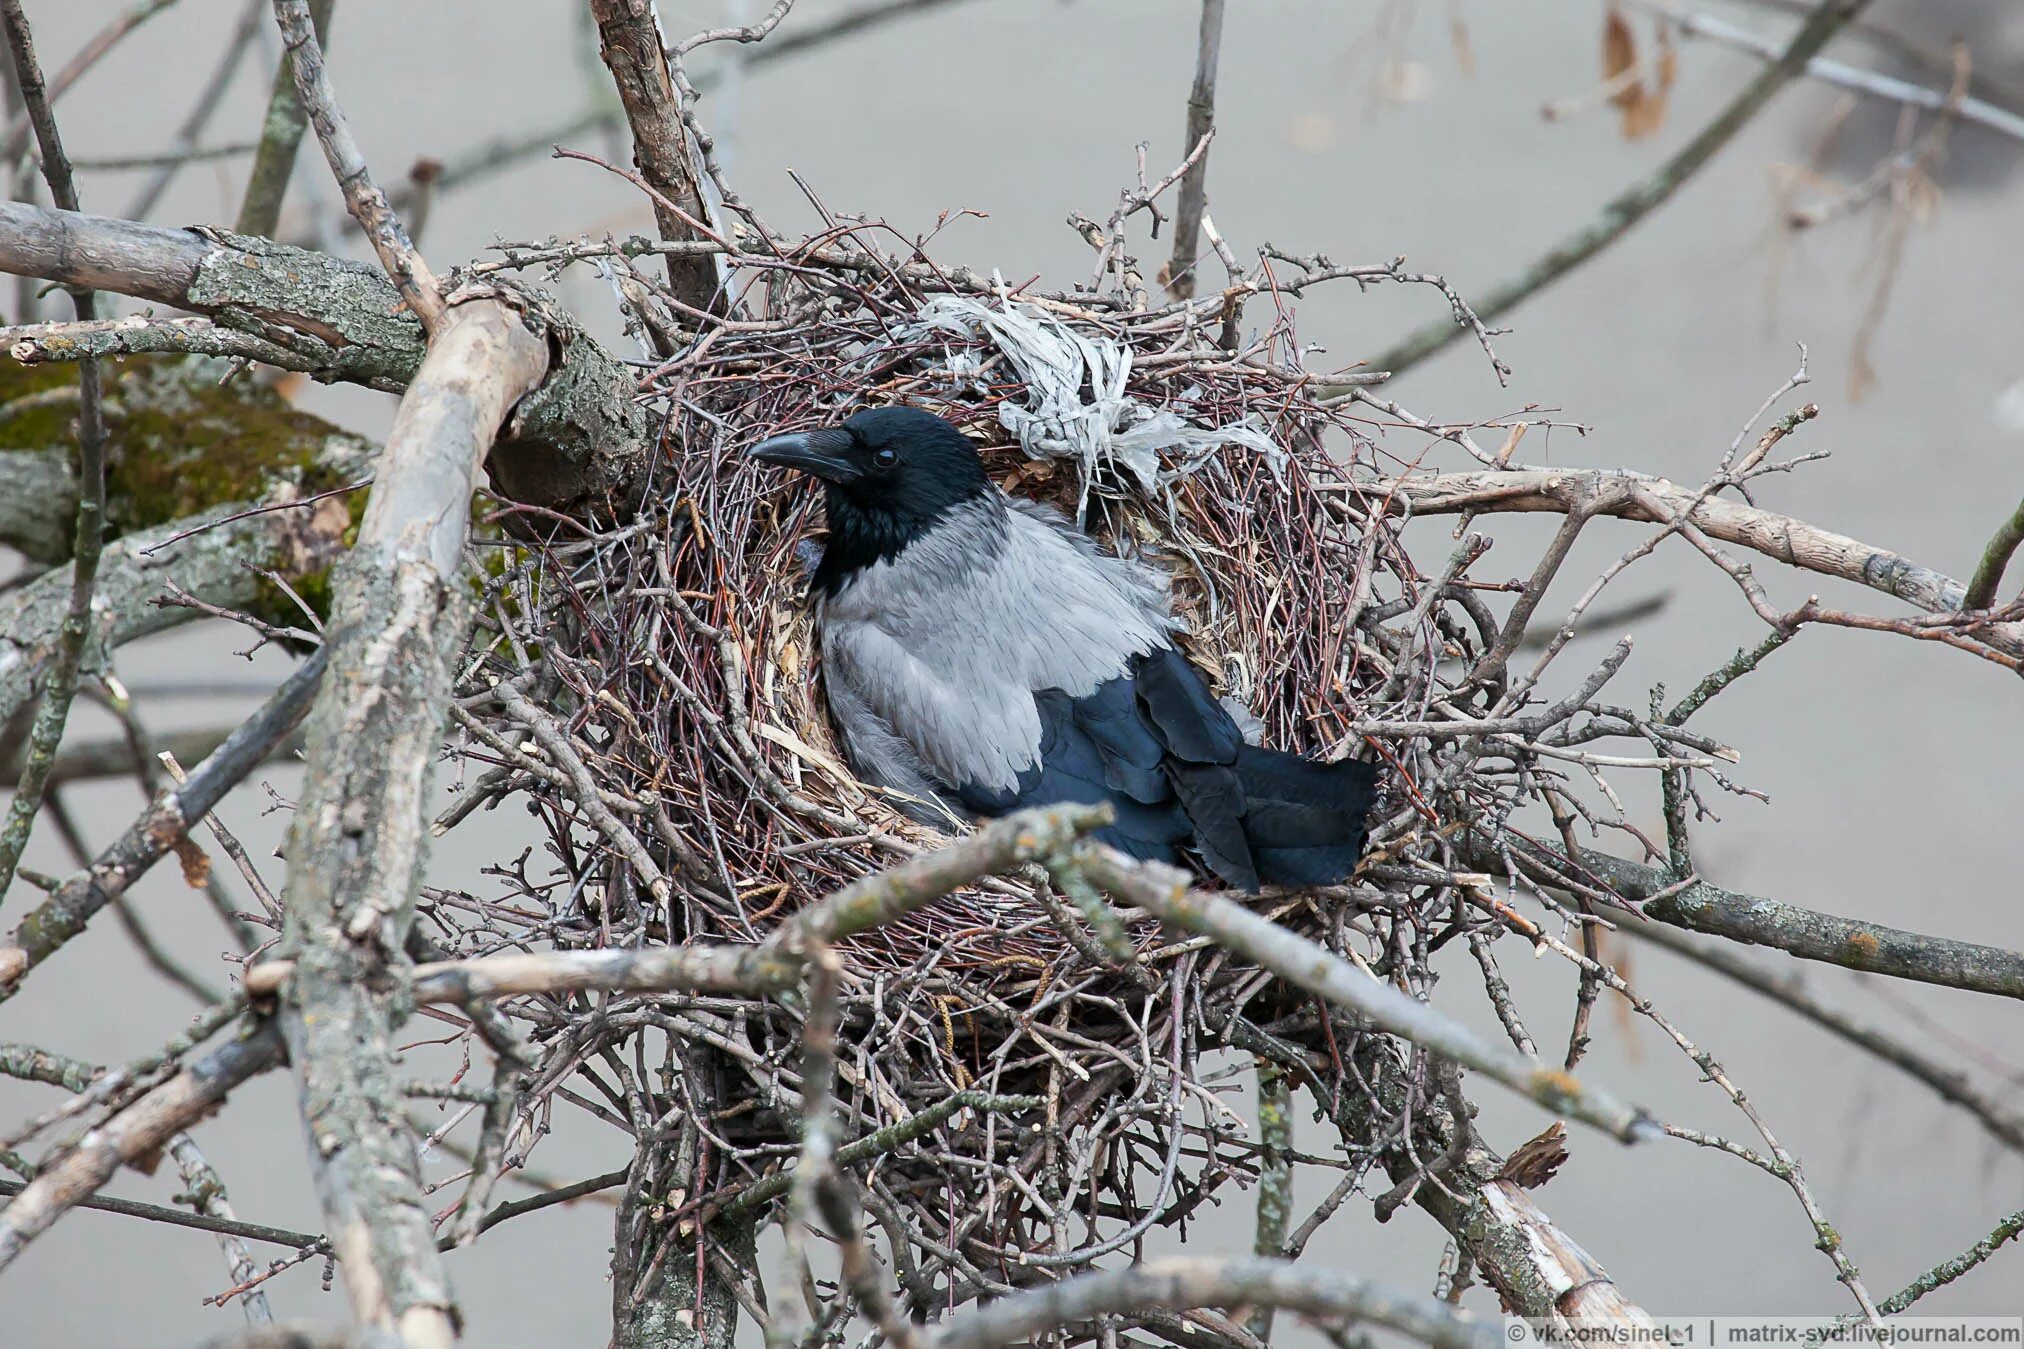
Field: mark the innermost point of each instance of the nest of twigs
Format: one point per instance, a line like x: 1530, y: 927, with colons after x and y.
x: 691, y: 787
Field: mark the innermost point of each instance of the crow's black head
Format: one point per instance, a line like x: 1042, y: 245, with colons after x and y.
x: 888, y: 474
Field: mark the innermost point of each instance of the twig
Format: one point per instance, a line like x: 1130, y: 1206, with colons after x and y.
x: 1981, y: 592
x: 1194, y: 183
x: 280, y: 139
x: 64, y: 914
x: 60, y: 674
x: 409, y: 273
x: 1944, y: 1273
x: 1643, y: 197
x: 204, y: 1191
x: 199, y: 1222
x: 135, y: 1132
x: 1166, y: 893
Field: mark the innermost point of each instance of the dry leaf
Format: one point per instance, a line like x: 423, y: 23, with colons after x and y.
x: 804, y: 751
x: 196, y: 866
x: 1537, y: 1159
x: 1619, y: 54
x: 1643, y: 107
x: 1465, y: 54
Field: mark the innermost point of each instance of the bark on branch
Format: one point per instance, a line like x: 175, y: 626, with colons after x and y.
x: 575, y: 443
x: 1812, y: 935
x: 356, y: 847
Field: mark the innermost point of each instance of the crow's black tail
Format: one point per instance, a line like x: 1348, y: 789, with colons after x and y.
x: 1260, y: 816
x: 1305, y: 821
x: 1272, y: 818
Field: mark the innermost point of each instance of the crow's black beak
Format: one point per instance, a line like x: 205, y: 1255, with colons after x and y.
x: 824, y: 454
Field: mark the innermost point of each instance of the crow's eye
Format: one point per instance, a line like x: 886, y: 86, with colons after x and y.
x: 886, y: 458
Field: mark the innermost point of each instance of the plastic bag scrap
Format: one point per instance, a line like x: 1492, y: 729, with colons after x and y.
x: 1108, y: 429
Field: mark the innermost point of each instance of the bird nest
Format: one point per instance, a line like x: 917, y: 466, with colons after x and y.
x: 669, y: 732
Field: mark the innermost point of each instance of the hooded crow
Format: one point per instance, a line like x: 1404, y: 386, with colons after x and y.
x: 982, y: 654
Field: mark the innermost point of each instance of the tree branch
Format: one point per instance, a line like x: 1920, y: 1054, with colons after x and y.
x: 1808, y: 934
x: 355, y: 849
x: 383, y: 229
x: 136, y: 1132
x: 578, y: 444
x: 172, y: 1217
x: 630, y: 42
x: 1657, y: 501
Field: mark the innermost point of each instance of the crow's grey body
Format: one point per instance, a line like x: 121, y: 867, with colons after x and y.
x: 933, y: 656
x: 982, y: 654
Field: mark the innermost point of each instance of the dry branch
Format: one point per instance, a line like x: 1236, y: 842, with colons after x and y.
x: 160, y: 828
x: 1638, y: 496
x: 135, y: 1133
x: 634, y: 50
